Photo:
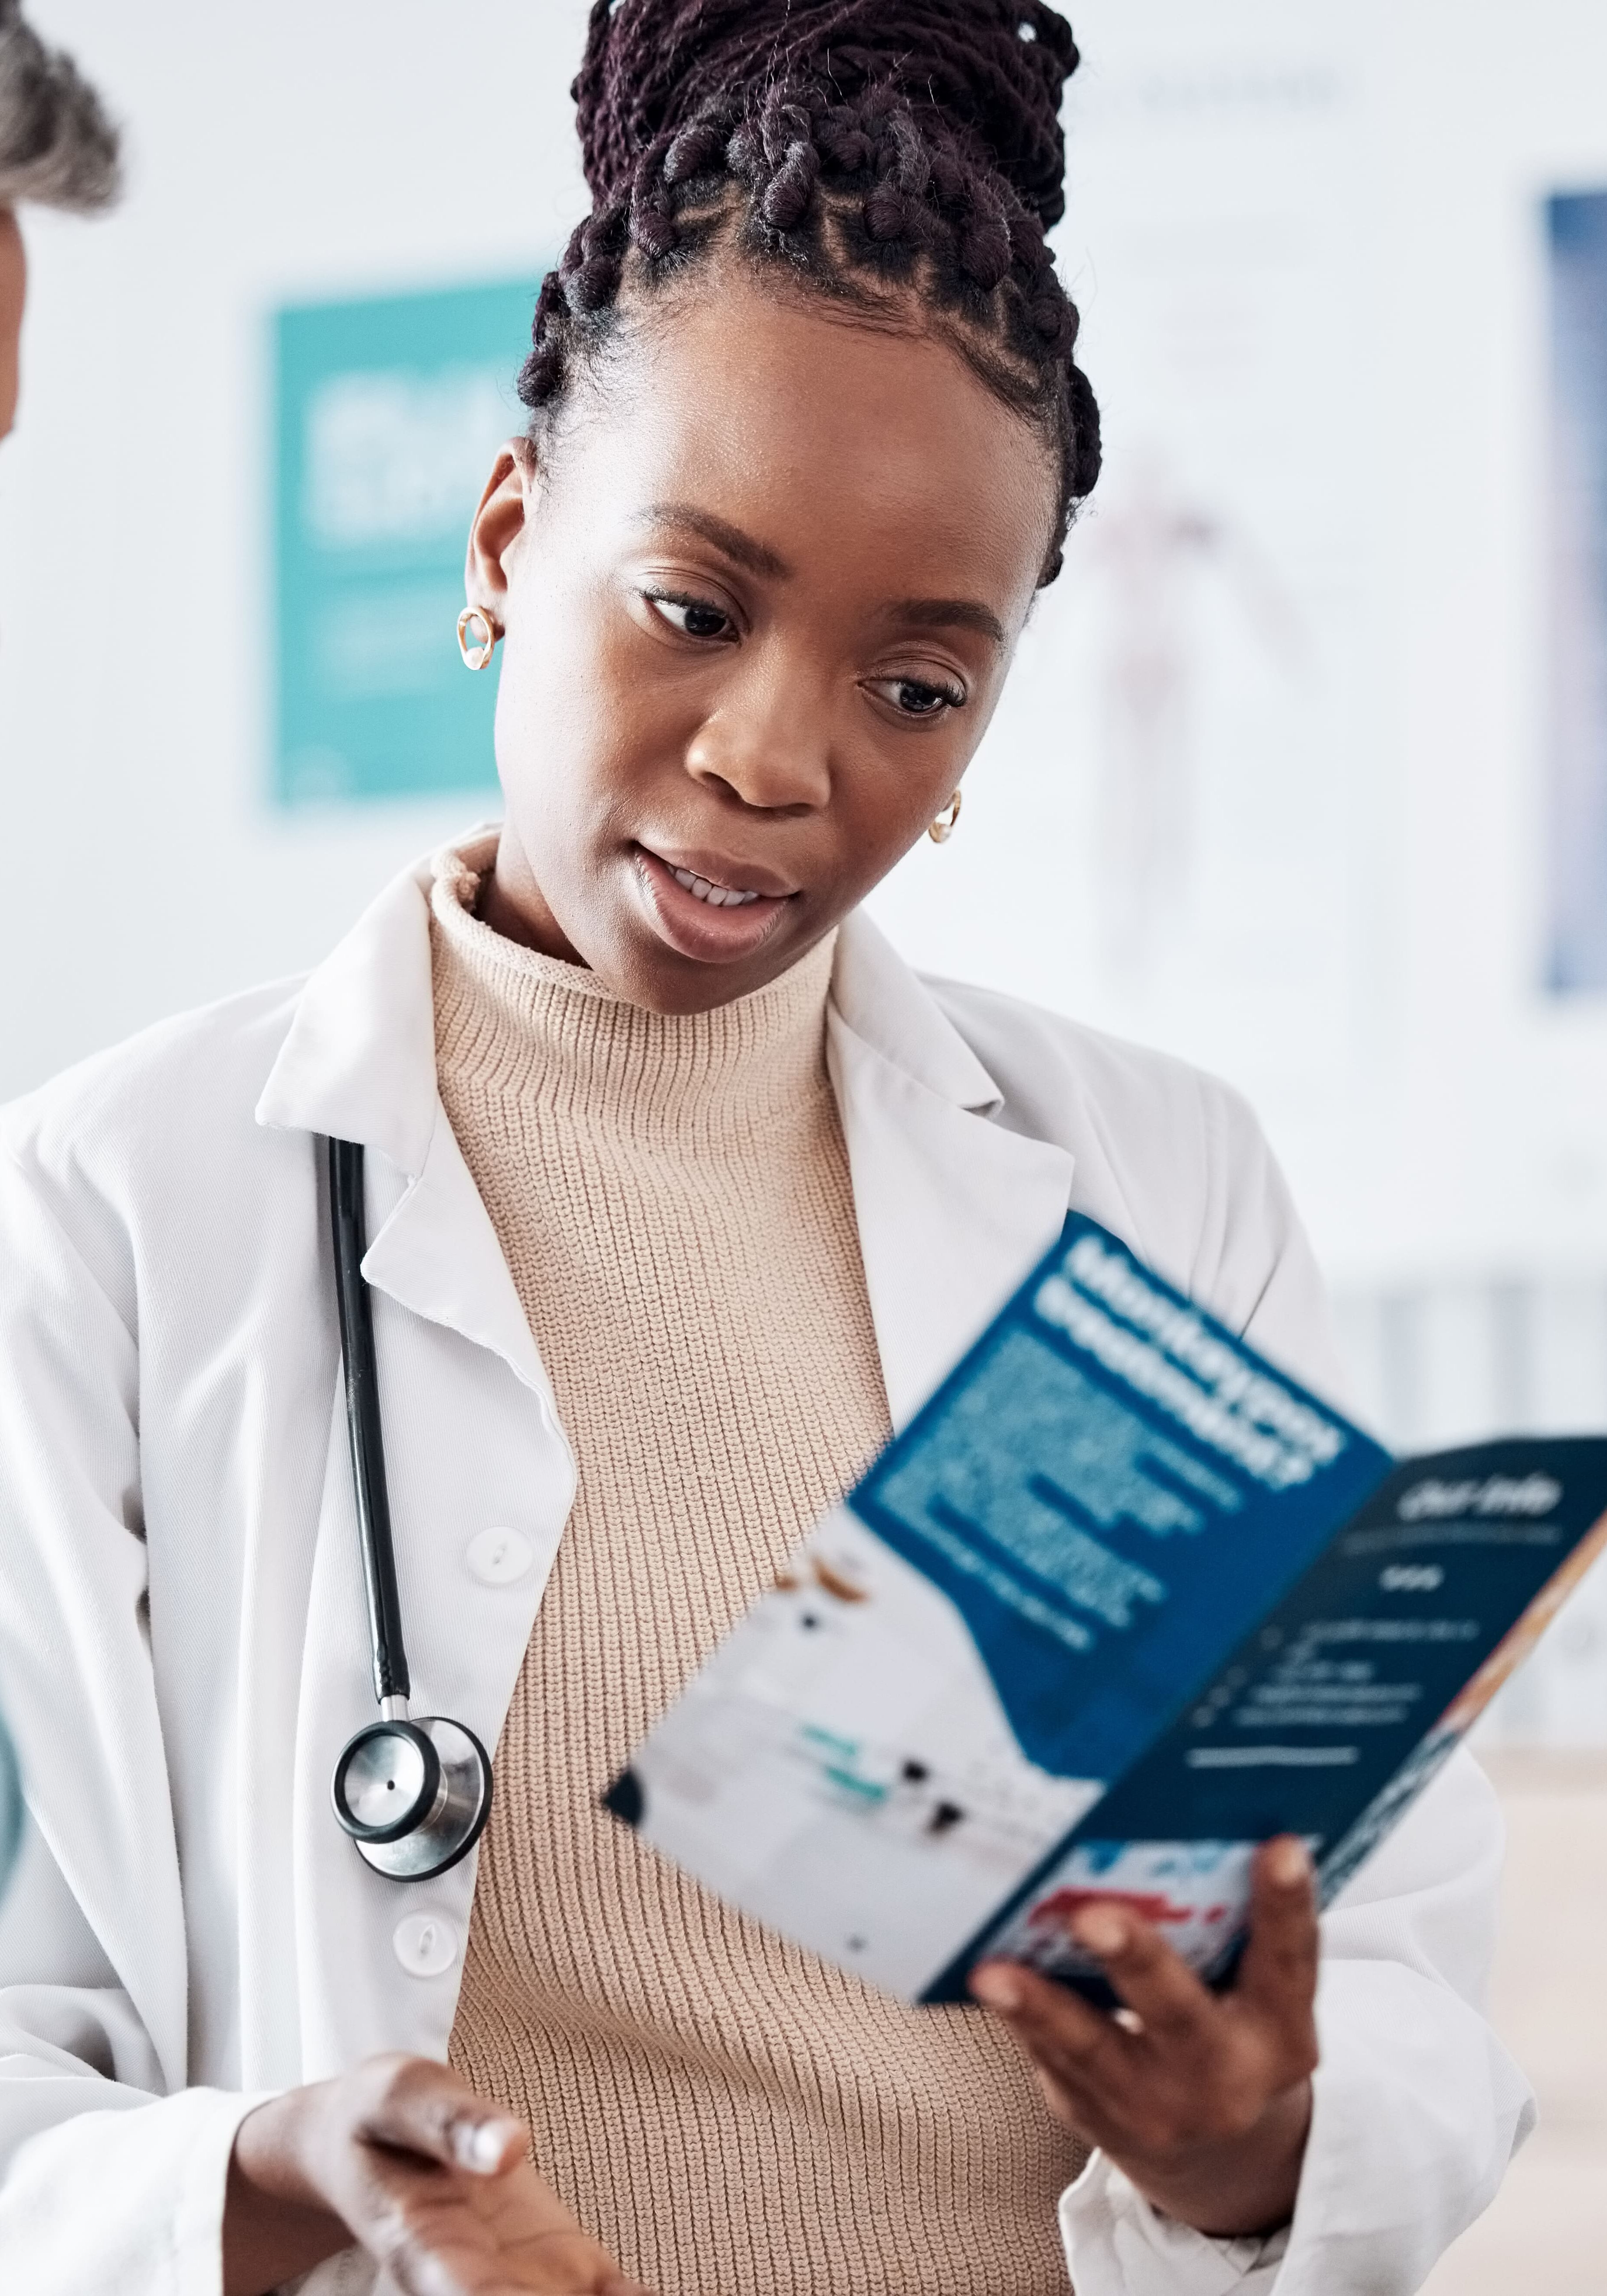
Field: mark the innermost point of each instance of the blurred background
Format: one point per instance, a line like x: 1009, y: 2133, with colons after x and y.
x: 1303, y: 774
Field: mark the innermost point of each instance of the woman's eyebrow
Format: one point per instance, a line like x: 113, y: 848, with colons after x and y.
x: 940, y: 613
x: 741, y: 548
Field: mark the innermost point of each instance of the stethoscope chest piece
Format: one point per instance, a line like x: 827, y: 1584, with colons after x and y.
x: 413, y: 1796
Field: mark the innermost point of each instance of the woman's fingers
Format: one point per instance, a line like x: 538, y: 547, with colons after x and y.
x: 1279, y: 1974
x: 1075, y: 2044
x: 1185, y: 2054
x: 1074, y: 2050
x: 1173, y: 2006
x: 410, y: 2104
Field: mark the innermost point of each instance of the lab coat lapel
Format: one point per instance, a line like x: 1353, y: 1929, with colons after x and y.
x: 358, y: 1059
x: 953, y: 1207
x: 358, y: 1064
x: 437, y: 1254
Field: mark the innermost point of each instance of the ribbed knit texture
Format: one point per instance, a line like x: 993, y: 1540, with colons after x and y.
x: 731, y: 2116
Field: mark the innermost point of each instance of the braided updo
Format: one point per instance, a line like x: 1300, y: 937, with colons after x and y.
x: 882, y: 153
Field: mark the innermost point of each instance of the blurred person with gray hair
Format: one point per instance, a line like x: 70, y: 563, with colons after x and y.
x: 57, y: 148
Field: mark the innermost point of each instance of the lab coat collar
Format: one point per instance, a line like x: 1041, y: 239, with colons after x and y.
x: 953, y: 1207
x: 358, y: 1064
x: 358, y: 1061
x: 891, y: 1010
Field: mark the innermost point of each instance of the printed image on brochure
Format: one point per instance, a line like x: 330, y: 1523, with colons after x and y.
x: 1190, y: 1892
x: 843, y: 1770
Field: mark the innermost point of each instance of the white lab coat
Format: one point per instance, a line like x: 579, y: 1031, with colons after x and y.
x: 182, y: 1648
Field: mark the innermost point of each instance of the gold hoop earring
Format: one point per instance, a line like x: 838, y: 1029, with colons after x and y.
x: 941, y: 830
x: 477, y: 653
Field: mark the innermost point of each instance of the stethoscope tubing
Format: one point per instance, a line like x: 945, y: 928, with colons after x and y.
x: 363, y: 1424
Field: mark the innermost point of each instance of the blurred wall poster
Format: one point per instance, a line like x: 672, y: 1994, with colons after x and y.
x: 1212, y: 716
x: 389, y: 412
x: 1577, y: 244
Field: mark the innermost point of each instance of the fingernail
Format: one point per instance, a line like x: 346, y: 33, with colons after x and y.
x: 481, y: 2147
x: 997, y: 1988
x: 1103, y: 1929
x: 1288, y: 1862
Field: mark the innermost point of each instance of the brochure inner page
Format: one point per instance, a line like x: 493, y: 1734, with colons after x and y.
x: 1335, y: 1712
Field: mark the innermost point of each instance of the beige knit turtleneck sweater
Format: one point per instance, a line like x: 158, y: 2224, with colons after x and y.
x: 731, y: 2116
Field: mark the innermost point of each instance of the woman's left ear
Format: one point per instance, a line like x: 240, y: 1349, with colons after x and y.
x: 498, y: 528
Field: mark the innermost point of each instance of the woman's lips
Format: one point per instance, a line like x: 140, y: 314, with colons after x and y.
x: 715, y: 933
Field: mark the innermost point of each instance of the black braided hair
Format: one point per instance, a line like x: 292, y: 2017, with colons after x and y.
x: 880, y: 150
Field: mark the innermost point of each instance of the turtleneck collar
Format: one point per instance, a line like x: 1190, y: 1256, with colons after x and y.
x: 511, y: 1021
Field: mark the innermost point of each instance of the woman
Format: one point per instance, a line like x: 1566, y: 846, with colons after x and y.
x: 56, y: 147
x: 681, y: 1188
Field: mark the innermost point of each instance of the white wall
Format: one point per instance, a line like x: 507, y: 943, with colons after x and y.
x: 1306, y: 239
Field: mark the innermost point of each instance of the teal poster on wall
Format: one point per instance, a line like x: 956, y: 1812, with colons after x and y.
x: 389, y: 412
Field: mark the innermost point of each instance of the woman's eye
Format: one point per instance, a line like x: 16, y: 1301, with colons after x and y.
x: 694, y: 618
x: 915, y: 697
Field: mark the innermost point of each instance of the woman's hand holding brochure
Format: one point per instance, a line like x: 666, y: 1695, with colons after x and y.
x: 1202, y: 2099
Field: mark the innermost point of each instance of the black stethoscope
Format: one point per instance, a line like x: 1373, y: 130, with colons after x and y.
x: 414, y: 1794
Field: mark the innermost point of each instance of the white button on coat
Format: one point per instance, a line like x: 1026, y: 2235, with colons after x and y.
x: 498, y: 1556
x: 426, y: 1944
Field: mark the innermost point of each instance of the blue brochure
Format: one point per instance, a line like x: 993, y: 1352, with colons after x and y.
x: 1122, y: 1600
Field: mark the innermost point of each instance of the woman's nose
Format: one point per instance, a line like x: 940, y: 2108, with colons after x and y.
x: 768, y: 747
